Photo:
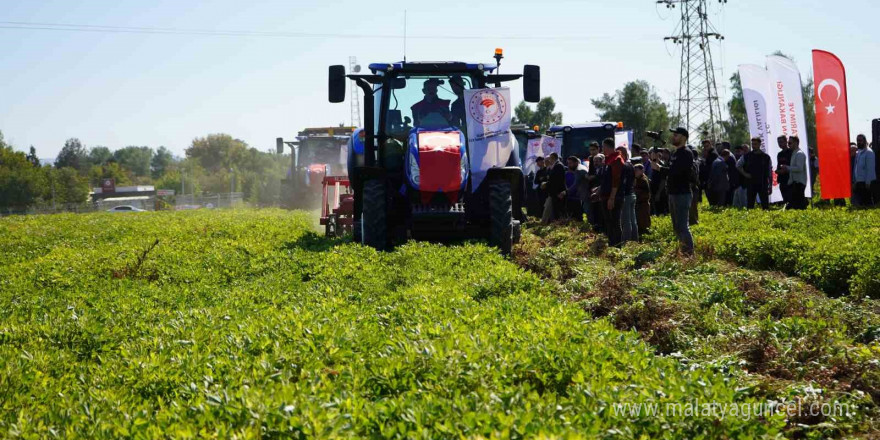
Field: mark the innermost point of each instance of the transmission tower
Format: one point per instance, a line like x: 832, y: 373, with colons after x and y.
x: 353, y: 67
x: 699, y: 108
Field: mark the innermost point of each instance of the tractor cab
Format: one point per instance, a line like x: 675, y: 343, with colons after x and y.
x: 413, y: 164
x: 576, y: 138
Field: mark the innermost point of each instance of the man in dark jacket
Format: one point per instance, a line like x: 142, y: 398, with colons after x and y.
x: 706, y: 162
x: 556, y: 186
x: 733, y: 176
x: 660, y: 198
x: 719, y: 182
x: 783, y: 160
x: 757, y: 169
x: 612, y: 192
x: 679, y: 181
x: 539, y: 185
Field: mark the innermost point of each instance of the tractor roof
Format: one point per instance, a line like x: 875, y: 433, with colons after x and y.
x: 558, y: 128
x: 428, y: 67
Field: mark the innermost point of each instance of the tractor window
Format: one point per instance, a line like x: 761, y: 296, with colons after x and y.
x: 580, y: 138
x: 320, y: 151
x: 426, y: 101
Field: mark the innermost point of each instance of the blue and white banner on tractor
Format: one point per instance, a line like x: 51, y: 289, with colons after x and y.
x: 489, y: 137
x: 624, y: 139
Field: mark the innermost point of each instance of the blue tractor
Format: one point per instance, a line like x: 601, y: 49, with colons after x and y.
x: 411, y: 163
x: 576, y: 138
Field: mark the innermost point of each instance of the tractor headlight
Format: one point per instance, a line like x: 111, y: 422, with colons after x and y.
x: 464, y: 165
x: 414, y: 170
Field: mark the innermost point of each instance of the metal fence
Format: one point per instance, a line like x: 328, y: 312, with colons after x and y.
x: 228, y: 200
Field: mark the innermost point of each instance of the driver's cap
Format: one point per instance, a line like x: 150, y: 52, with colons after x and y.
x: 433, y: 81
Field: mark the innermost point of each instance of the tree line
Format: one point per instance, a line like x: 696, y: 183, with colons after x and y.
x: 212, y: 164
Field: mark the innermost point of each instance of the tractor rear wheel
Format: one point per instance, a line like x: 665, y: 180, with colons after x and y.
x: 374, y: 217
x: 501, y: 216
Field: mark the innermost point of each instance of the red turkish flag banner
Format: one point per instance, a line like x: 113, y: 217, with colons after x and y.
x: 440, y: 164
x: 832, y: 125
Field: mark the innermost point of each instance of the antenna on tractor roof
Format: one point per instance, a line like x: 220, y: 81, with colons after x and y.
x: 404, y: 36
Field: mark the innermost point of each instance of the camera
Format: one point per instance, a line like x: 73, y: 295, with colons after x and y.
x: 658, y: 140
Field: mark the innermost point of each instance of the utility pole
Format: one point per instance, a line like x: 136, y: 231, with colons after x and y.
x: 698, y: 106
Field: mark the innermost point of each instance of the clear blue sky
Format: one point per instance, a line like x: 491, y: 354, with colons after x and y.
x: 118, y: 89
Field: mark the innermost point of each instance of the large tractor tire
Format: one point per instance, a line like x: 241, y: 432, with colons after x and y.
x: 501, y: 216
x: 374, y: 217
x: 356, y: 231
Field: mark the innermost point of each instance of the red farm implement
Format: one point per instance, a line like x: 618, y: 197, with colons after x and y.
x: 337, y: 207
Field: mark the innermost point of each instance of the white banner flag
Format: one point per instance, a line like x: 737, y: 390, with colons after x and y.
x: 624, y: 139
x: 490, y: 140
x: 550, y: 144
x: 756, y: 85
x: 533, y: 151
x: 787, y: 116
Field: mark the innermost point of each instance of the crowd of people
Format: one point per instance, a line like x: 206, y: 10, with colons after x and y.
x: 618, y: 194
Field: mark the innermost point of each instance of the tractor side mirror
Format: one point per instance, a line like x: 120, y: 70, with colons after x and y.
x: 531, y: 83
x: 398, y: 83
x: 279, y: 145
x: 337, y: 84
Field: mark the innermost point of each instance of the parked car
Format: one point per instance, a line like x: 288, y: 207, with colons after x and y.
x: 125, y: 208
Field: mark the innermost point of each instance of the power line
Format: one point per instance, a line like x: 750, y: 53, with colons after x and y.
x: 698, y: 102
x: 243, y: 33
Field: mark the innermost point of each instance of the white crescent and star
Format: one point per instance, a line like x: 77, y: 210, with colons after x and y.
x: 825, y: 83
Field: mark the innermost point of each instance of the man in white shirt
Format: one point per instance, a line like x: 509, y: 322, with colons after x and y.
x: 797, y: 174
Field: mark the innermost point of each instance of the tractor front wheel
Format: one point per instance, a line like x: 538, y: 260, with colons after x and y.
x: 374, y: 222
x: 501, y: 216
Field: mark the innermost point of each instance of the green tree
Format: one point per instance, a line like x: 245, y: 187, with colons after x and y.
x: 737, y: 124
x: 32, y: 157
x: 638, y: 106
x: 72, y: 155
x: 135, y: 159
x: 810, y: 111
x: 21, y: 182
x: 161, y: 161
x: 217, y: 152
x: 110, y: 170
x: 543, y: 116
x: 69, y: 186
x: 99, y: 155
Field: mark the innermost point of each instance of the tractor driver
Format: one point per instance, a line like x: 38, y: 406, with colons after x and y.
x: 458, y: 113
x: 431, y: 104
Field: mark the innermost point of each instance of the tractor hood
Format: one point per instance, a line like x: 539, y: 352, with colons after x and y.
x: 437, y: 161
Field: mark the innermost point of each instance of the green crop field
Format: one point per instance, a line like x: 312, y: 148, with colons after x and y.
x: 247, y: 324
x: 837, y: 250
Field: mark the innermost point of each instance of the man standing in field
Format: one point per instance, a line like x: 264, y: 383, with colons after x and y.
x: 756, y: 168
x: 864, y: 172
x: 612, y: 193
x: 556, y: 186
x: 797, y: 174
x: 681, y: 174
x: 783, y: 160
